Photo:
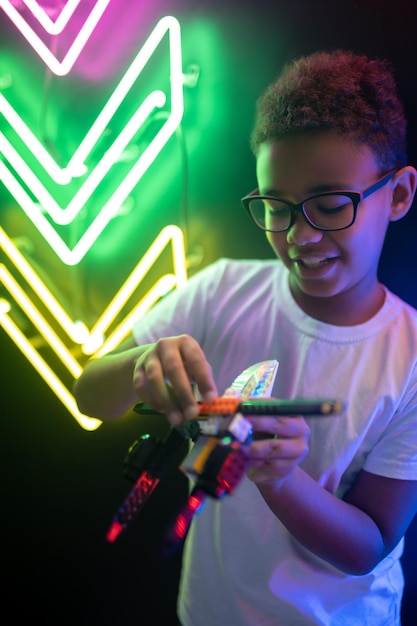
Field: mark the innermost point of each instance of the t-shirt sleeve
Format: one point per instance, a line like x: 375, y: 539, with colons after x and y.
x: 184, y: 310
x: 395, y: 455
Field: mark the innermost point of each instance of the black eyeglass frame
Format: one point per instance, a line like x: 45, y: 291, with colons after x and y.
x: 355, y: 196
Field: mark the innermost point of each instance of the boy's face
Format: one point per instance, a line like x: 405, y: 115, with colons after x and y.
x: 333, y: 274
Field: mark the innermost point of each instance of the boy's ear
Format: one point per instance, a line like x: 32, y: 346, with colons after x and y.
x: 404, y: 189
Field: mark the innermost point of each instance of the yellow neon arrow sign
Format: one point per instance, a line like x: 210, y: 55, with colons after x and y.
x: 93, y: 341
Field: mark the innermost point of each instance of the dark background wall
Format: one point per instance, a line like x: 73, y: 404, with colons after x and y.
x: 61, y: 485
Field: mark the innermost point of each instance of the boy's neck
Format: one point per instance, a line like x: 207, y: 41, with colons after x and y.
x: 343, y: 310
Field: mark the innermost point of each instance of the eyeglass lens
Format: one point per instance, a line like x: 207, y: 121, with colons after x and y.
x: 328, y: 212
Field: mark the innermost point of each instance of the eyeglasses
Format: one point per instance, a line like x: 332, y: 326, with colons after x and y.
x: 331, y: 210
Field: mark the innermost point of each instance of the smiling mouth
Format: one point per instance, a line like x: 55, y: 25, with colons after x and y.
x: 313, y: 262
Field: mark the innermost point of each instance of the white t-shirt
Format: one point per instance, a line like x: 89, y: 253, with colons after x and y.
x: 241, y: 566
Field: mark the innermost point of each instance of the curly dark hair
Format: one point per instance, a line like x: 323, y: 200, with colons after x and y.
x: 341, y: 91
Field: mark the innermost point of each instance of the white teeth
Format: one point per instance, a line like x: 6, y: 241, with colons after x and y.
x: 312, y: 261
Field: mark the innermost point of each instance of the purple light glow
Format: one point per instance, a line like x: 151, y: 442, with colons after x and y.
x: 115, y: 40
x: 111, y: 45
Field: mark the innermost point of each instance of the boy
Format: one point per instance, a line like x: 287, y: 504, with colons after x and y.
x: 313, y: 534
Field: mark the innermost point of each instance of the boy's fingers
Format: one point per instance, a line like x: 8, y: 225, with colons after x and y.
x: 165, y: 374
x: 283, y: 427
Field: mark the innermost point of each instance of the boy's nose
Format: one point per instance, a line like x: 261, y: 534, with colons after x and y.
x: 301, y: 232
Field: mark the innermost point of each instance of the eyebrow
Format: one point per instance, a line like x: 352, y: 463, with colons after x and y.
x: 311, y: 192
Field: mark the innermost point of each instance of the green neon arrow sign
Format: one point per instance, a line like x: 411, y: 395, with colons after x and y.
x: 40, y: 204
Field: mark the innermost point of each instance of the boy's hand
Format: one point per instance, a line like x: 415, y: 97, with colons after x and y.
x: 275, y: 457
x: 164, y: 373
